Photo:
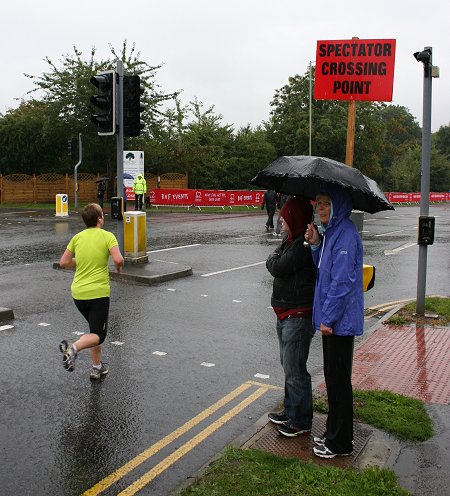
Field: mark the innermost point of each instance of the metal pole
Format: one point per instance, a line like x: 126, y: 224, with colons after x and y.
x: 120, y: 239
x: 75, y: 172
x: 425, y: 180
x: 310, y: 106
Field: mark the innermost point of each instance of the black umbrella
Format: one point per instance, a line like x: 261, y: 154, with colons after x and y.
x: 307, y: 176
x: 101, y: 179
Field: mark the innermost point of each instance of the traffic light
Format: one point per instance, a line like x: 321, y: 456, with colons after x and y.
x: 132, y: 106
x: 72, y: 148
x: 105, y: 101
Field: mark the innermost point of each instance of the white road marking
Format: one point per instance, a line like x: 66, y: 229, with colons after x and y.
x: 261, y: 376
x: 159, y: 353
x: 204, y: 296
x: 207, y: 364
x: 78, y: 333
x: 171, y: 289
x: 5, y: 327
x: 44, y: 324
x: 388, y: 233
x: 117, y: 343
x: 230, y: 270
x: 237, y: 301
x: 399, y: 248
x: 174, y: 248
x: 253, y: 236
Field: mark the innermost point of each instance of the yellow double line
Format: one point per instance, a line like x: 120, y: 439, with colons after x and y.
x: 186, y: 447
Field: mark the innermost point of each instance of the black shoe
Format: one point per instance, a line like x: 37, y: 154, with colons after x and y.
x: 290, y: 430
x: 278, y: 418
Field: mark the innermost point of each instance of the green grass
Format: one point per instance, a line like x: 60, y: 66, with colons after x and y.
x: 433, y: 305
x: 257, y: 473
x: 406, y: 418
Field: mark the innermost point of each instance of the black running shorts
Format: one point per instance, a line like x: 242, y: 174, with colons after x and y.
x: 96, y: 313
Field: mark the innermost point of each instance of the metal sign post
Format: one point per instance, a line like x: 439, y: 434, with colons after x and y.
x: 75, y: 172
x: 119, y: 159
x: 425, y: 57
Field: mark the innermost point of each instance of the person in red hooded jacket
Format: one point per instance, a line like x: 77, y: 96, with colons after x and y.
x: 294, y: 274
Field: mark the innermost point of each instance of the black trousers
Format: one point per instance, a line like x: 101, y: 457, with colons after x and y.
x: 138, y: 201
x: 337, y: 364
x: 270, y: 214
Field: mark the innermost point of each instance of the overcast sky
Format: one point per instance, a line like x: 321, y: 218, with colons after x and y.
x: 232, y: 54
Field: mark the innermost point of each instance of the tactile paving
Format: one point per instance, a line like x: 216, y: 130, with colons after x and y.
x: 413, y: 361
x: 270, y: 440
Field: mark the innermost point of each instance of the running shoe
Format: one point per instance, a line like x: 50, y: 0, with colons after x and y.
x: 97, y: 373
x: 69, y: 355
x: 278, y: 418
x: 323, y: 452
x: 291, y: 430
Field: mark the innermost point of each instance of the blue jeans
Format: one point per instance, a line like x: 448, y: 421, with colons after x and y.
x: 294, y: 337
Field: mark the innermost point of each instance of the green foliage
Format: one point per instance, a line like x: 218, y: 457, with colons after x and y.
x: 189, y: 138
x: 442, y: 141
x: 405, y: 172
x: 254, y: 472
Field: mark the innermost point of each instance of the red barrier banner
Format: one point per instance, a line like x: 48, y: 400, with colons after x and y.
x: 230, y: 198
x: 438, y: 197
x: 415, y: 197
x: 244, y: 198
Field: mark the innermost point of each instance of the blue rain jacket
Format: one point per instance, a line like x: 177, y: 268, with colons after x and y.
x: 338, y: 298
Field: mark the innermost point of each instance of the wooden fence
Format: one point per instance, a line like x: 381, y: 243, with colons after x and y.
x: 22, y: 188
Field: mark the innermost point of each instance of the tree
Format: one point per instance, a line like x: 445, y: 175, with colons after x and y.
x: 32, y: 140
x: 442, y: 140
x: 66, y: 90
x: 380, y: 130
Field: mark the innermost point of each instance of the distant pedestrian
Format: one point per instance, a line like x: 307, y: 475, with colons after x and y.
x: 139, y: 190
x: 338, y: 313
x: 88, y: 252
x: 101, y: 189
x: 294, y: 274
x: 281, y: 200
x: 270, y: 202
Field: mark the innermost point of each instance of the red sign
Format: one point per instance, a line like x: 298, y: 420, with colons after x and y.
x: 355, y: 70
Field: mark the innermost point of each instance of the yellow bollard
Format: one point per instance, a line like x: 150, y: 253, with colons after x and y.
x: 62, y: 205
x: 135, y: 237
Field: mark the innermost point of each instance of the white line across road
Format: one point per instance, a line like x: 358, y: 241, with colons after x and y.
x: 399, y: 248
x: 233, y: 268
x: 173, y: 248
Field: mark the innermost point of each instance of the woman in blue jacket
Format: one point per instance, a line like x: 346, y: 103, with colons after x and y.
x: 338, y: 312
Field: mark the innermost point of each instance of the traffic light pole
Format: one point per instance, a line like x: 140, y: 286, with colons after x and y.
x: 120, y: 149
x: 426, y: 58
x: 75, y: 172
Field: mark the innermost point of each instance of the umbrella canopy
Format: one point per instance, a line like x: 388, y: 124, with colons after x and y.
x: 307, y: 176
x: 127, y: 176
x: 101, y: 179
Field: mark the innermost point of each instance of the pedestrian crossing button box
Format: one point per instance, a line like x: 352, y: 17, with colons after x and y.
x: 117, y: 208
x: 426, y: 230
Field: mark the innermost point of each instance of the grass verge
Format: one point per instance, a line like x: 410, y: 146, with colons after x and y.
x: 433, y: 305
x: 254, y: 472
x: 257, y: 473
x: 406, y: 418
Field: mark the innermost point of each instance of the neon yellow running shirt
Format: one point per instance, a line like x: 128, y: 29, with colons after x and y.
x: 91, y: 250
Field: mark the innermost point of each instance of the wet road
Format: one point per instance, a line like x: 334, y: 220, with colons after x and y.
x: 193, y: 362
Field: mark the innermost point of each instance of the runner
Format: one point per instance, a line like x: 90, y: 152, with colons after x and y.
x: 88, y: 252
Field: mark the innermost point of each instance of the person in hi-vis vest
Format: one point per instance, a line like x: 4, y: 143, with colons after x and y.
x: 139, y: 190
